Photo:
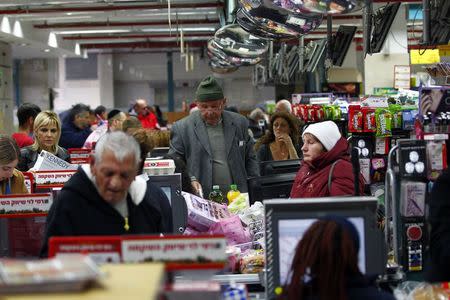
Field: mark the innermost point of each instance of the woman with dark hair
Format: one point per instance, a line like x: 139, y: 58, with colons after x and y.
x: 325, y: 265
x: 11, y: 180
x: 282, y: 140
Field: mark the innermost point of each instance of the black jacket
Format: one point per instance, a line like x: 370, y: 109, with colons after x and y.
x: 439, y: 220
x: 363, y: 288
x: 79, y: 210
x: 28, y: 157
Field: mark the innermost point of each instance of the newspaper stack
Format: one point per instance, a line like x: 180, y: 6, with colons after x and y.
x: 47, y: 161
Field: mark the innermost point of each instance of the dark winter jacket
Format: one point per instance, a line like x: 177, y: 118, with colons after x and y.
x: 72, y: 136
x: 28, y: 157
x: 439, y: 220
x: 79, y: 210
x: 312, y: 178
x: 362, y: 288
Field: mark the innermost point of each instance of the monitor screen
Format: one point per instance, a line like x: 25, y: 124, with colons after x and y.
x: 171, y: 186
x: 290, y: 232
x: 313, y: 53
x: 159, y: 151
x: 382, y: 22
x: 279, y: 166
x: 341, y: 43
x: 288, y: 219
x: 270, y: 186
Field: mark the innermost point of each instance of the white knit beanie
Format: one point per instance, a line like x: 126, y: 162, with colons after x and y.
x: 326, y: 132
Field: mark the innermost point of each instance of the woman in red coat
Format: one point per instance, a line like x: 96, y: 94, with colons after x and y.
x: 325, y: 154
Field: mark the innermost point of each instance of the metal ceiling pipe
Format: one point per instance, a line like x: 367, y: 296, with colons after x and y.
x: 21, y: 11
x: 134, y: 36
x: 122, y: 24
x: 231, y: 6
x: 174, y: 44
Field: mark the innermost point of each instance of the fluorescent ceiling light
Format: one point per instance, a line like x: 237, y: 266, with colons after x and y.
x: 93, y: 31
x: 5, y: 26
x: 17, y: 29
x: 85, y: 54
x: 52, y: 41
x: 77, y: 49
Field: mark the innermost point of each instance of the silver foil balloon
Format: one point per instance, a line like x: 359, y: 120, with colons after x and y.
x: 235, y: 41
x: 279, y: 20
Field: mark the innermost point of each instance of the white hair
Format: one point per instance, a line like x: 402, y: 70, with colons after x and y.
x: 285, y: 104
x: 120, y: 144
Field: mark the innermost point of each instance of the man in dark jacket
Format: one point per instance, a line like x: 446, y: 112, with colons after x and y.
x: 75, y: 127
x: 439, y: 220
x: 105, y: 198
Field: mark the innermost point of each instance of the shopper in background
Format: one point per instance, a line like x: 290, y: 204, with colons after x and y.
x: 75, y: 127
x: 325, y: 265
x: 326, y: 169
x: 214, y: 143
x: 131, y: 124
x: 283, y: 105
x: 100, y: 114
x: 439, y: 220
x: 157, y: 197
x: 145, y: 114
x: 257, y: 123
x: 106, y: 197
x: 47, y: 130
x: 11, y: 180
x: 282, y: 141
x: 26, y: 113
x: 159, y: 116
x: 115, y: 119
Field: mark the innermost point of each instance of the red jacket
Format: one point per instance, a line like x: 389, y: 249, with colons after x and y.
x: 312, y: 178
x: 149, y: 121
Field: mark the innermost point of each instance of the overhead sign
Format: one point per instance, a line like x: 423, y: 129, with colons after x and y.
x: 428, y: 56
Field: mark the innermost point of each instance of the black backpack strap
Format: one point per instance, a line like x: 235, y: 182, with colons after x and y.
x: 330, y: 175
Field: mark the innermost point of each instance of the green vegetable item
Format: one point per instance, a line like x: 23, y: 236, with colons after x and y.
x: 384, y: 122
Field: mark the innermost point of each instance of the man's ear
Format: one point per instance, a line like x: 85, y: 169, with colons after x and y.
x: 92, y: 164
x: 224, y: 101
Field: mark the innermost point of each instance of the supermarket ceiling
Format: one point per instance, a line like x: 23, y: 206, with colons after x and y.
x: 68, y: 27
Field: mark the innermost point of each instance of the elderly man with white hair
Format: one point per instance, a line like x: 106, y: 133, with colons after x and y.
x: 105, y: 197
x: 283, y: 106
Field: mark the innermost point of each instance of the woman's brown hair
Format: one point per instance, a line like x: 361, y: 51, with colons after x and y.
x: 294, y: 128
x: 9, y: 151
x: 325, y: 257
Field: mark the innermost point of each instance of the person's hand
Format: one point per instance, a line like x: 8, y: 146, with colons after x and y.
x: 285, y: 138
x: 197, y: 188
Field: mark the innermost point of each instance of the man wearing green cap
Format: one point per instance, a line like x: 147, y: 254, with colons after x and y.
x: 214, y: 143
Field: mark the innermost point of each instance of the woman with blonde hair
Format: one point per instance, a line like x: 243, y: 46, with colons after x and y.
x: 47, y: 131
x: 11, y: 180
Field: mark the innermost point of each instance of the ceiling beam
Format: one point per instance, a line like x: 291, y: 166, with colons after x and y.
x: 123, y: 24
x: 21, y: 11
x: 174, y: 44
x: 134, y: 36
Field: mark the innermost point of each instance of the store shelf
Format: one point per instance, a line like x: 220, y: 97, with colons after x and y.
x: 237, y: 278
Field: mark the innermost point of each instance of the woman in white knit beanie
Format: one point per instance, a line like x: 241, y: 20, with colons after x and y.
x: 326, y: 169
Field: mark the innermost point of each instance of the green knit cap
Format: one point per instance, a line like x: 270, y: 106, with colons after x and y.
x: 209, y: 90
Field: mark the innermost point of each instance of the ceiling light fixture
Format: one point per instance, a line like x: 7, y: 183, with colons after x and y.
x: 52, y: 41
x: 77, y: 49
x: 17, y: 29
x: 47, y: 50
x: 5, y: 26
x: 85, y: 54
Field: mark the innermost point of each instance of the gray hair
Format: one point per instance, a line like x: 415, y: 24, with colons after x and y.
x: 120, y: 144
x: 256, y: 114
x: 287, y: 105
